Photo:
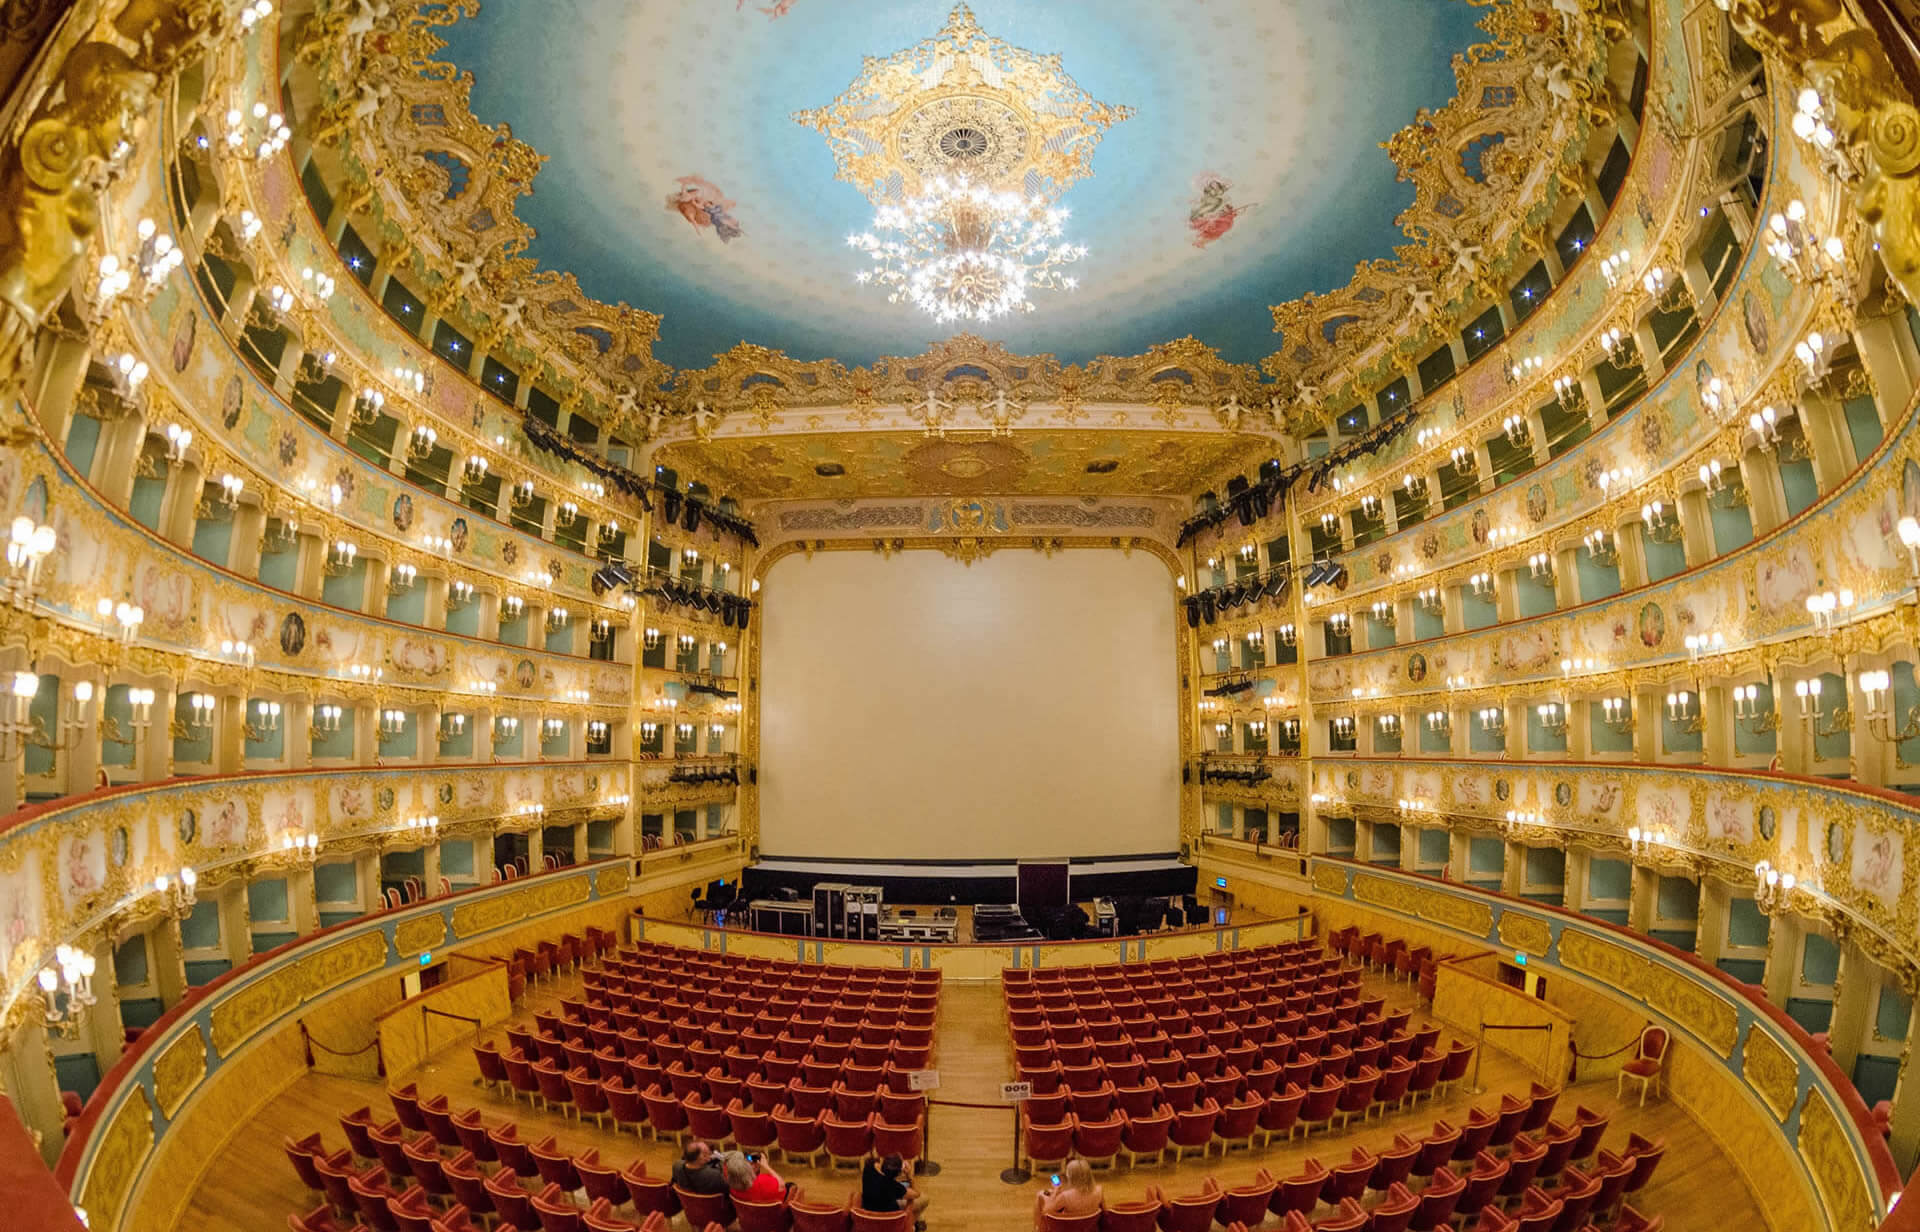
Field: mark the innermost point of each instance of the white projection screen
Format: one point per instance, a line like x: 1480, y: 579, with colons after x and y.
x: 916, y: 708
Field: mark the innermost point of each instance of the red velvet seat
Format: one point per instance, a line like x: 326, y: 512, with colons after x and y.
x: 868, y: 1221
x: 304, y: 1152
x: 555, y: 1212
x: 358, y: 1126
x: 1592, y: 1126
x: 1483, y: 1182
x: 1438, y: 1200
x: 1239, y: 1122
x: 1458, y: 1058
x: 1644, y: 1067
x: 406, y: 1107
x: 1193, y: 1129
x: 469, y: 1184
x: 1049, y: 1143
x: 1187, y: 1212
x: 811, y: 1216
x: 1523, y: 1164
x: 702, y: 1209
x: 1395, y: 1212
x: 589, y: 1099
x: 1323, y: 1099
x: 1475, y: 1134
x: 1247, y: 1204
x: 799, y: 1136
x: 847, y: 1142
x: 1147, y: 1135
x: 650, y: 1195
x: 665, y: 1115
x: 1349, y: 1179
x: 770, y: 1216
x: 1349, y: 1217
x: 1137, y: 1216
x: 555, y: 1164
x: 1280, y: 1113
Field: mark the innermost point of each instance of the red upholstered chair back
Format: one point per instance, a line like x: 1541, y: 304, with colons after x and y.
x: 1071, y: 1223
x: 1130, y: 1217
x: 1653, y: 1044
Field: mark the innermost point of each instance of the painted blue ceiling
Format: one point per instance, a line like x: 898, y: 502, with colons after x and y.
x: 1285, y: 100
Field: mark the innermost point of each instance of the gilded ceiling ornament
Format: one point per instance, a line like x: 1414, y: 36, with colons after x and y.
x: 965, y: 104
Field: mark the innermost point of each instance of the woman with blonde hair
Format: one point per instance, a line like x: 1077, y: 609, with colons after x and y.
x: 1076, y: 1194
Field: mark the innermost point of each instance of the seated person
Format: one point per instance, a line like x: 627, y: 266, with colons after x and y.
x: 886, y: 1186
x: 700, y: 1169
x: 1077, y: 1194
x: 752, y: 1179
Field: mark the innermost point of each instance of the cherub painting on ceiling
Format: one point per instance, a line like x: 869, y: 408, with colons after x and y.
x: 702, y: 204
x: 1212, y: 215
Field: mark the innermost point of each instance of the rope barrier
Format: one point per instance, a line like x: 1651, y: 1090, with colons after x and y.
x: 955, y: 1103
x: 428, y: 1009
x: 308, y: 1044
x: 1601, y: 1056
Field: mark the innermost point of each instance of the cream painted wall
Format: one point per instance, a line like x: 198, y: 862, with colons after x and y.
x: 914, y: 707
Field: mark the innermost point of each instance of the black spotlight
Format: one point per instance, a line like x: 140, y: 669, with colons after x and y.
x: 1193, y: 613
x: 670, y: 506
x: 611, y: 576
x: 692, y: 520
x: 1207, y: 608
x: 746, y: 611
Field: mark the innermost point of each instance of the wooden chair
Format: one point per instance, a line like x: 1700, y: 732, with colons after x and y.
x: 1647, y: 1064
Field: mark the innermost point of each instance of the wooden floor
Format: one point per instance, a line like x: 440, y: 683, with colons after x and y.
x: 252, y: 1188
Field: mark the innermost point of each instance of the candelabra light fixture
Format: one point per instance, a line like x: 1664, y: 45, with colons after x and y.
x: 178, y: 894
x: 422, y: 441
x: 1815, y: 353
x: 1747, y: 709
x: 1481, y: 584
x: 1617, y: 713
x: 1644, y: 841
x: 452, y: 726
x: 66, y: 991
x: 1431, y: 599
x: 424, y: 827
x: 1540, y: 566
x: 1618, y: 346
x: 1515, y: 426
x: 1771, y: 888
x: 1876, y: 694
x: 265, y: 721
x: 392, y: 721
x: 1830, y: 609
x: 1812, y: 122
x: 1614, y: 268
x: 1388, y: 724
x: 1683, y: 711
x: 1698, y: 645
x: 324, y: 720
x: 122, y: 618
x: 1339, y: 623
x: 299, y: 847
x: 27, y: 546
x: 1803, y: 255
x: 1440, y: 722
x: 341, y: 554
x: 1382, y: 611
x: 1524, y: 369
x: 1659, y: 525
x: 1909, y: 531
x: 1552, y: 717
x: 1493, y: 720
x: 1669, y: 292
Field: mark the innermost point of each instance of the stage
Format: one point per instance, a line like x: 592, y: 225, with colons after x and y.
x: 960, y: 882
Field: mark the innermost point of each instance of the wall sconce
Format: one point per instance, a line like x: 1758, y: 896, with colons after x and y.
x: 27, y: 546
x: 1830, y: 609
x: 1247, y: 555
x: 597, y: 731
x: 1684, y: 713
x: 325, y: 720
x: 140, y: 706
x: 1290, y: 729
x: 1614, y: 268
x: 529, y: 808
x: 651, y: 639
x: 299, y: 848
x: 401, y: 578
x: 1389, y: 724
x: 474, y: 469
x: 1515, y: 426
x: 687, y: 642
x: 1340, y: 623
x: 1370, y: 505
x: 1219, y: 646
x: 1431, y: 600
x: 504, y: 728
x: 18, y: 726
x: 1518, y: 819
x: 1815, y: 354
x: 1659, y: 527
x: 487, y: 687
x: 1330, y: 523
x: 340, y: 557
x: 1493, y: 720
x: 1255, y: 639
x: 600, y: 630
x: 1699, y: 644
x: 1568, y: 667
x: 683, y: 732
x: 365, y: 673
x: 1540, y: 566
x: 513, y: 605
x: 1765, y: 424
x: 1222, y: 730
x: 566, y: 513
x: 521, y: 494
x: 1464, y: 459
x: 126, y: 618
x: 66, y: 991
x: 557, y: 619
x: 1415, y: 807
x: 1382, y: 611
x: 422, y: 441
x: 266, y: 721
x: 1568, y: 392
x: 1440, y: 722
x: 178, y: 894
x: 231, y: 485
x: 426, y: 828
x: 1746, y: 709
x: 155, y: 258
x: 459, y: 594
x: 648, y: 730
x: 1415, y: 485
x: 1620, y: 347
x: 1286, y: 635
x: 1257, y: 730
x: 1481, y: 584
x: 410, y: 379
x: 609, y: 532
x: 392, y: 722
x: 257, y: 132
x: 1343, y: 727
x: 1876, y: 688
x: 76, y: 718
x: 1909, y: 531
x: 1553, y: 718
x: 368, y: 405
x: 1617, y: 713
x: 1643, y: 842
x: 1523, y: 370
x: 200, y: 708
x: 594, y: 488
x: 1669, y: 292
x: 439, y: 545
x: 1771, y: 888
x: 452, y: 726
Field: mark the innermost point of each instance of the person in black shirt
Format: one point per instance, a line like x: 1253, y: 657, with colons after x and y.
x: 886, y: 1186
x: 700, y: 1169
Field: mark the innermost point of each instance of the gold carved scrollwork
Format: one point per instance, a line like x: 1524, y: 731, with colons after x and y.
x: 1524, y: 932
x: 419, y: 936
x: 1437, y: 906
x: 1836, y: 1169
x: 1770, y: 1070
x: 1330, y: 879
x: 124, y: 1143
x: 179, y: 1069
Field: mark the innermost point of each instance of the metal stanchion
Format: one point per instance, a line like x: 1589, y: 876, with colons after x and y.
x: 1016, y: 1175
x: 926, y: 1166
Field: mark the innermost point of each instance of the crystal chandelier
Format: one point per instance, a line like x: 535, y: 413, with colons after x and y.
x: 962, y: 251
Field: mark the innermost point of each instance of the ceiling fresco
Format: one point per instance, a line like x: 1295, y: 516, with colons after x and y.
x: 1241, y: 165
x: 883, y: 464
